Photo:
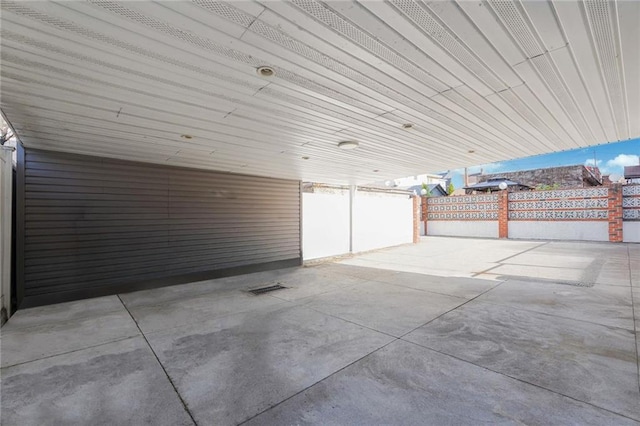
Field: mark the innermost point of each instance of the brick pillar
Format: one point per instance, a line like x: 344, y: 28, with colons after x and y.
x: 416, y: 219
x: 615, y: 213
x: 423, y: 214
x: 503, y: 214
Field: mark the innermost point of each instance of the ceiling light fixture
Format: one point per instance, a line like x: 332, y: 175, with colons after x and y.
x: 265, y: 71
x: 348, y: 145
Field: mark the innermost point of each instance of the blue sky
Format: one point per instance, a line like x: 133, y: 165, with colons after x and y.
x: 609, y: 157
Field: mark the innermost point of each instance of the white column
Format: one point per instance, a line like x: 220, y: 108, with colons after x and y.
x: 352, y: 199
x: 6, y: 177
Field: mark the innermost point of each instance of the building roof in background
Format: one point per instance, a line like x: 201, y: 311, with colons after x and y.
x: 494, y: 183
x: 565, y: 176
x: 632, y: 172
x: 435, y: 189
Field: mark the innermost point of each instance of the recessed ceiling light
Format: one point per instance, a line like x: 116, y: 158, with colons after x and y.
x: 407, y: 126
x: 305, y: 158
x: 265, y: 71
x: 348, y: 145
x: 186, y: 136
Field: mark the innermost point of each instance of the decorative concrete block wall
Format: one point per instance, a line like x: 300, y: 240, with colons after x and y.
x: 567, y: 214
x: 631, y: 213
x: 464, y: 216
x: 588, y: 214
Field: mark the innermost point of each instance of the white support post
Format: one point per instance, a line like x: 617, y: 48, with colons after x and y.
x: 352, y: 196
x: 6, y: 177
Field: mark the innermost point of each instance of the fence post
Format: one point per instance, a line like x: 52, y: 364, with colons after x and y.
x: 423, y: 214
x: 416, y: 219
x: 615, y: 213
x: 503, y: 214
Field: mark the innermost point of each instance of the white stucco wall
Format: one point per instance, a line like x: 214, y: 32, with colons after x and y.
x: 325, y: 224
x: 381, y: 220
x: 631, y: 232
x: 559, y: 230
x: 463, y: 228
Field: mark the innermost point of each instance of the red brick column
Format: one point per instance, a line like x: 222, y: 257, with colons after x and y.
x: 423, y: 215
x: 503, y: 214
x: 615, y: 213
x: 416, y: 219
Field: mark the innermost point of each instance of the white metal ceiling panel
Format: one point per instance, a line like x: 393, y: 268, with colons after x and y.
x: 463, y: 29
x: 543, y: 19
x: 421, y: 86
x: 628, y: 18
x: 490, y: 27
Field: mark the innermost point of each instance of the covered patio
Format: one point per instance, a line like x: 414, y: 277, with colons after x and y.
x: 526, y: 332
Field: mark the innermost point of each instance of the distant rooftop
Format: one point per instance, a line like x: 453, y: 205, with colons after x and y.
x: 632, y: 172
x: 494, y: 184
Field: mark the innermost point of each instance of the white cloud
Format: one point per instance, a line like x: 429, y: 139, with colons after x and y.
x: 623, y: 160
x: 603, y: 169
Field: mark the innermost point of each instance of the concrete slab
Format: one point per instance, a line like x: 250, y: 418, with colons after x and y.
x: 190, y: 310
x: 362, y: 272
x: 552, y: 260
x: 508, y: 271
x: 440, y: 256
x: 51, y: 330
x: 471, y: 268
x: 117, y: 383
x: 313, y: 283
x: 384, y: 307
x: 230, y: 369
x: 606, y: 305
x: 403, y: 384
x: 466, y: 288
x: 235, y: 355
x: 585, y: 361
x: 61, y: 312
x: 218, y: 287
x: 615, y: 272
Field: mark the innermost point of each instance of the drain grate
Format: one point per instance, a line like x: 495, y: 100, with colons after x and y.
x: 267, y: 289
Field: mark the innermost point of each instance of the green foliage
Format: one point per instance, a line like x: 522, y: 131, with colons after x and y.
x: 426, y: 188
x: 450, y: 188
x: 545, y: 187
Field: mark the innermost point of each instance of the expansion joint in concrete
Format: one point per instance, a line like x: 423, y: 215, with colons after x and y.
x: 173, y: 385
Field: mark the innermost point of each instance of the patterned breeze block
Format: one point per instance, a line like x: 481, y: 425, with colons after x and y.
x: 631, y: 202
x: 466, y: 207
x: 563, y: 204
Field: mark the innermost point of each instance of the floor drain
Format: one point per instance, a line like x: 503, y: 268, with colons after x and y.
x: 267, y: 289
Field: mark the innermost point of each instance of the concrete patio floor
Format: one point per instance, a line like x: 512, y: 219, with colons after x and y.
x: 448, y: 331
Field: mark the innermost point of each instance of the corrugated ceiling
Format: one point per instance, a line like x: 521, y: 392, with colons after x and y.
x: 479, y: 82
